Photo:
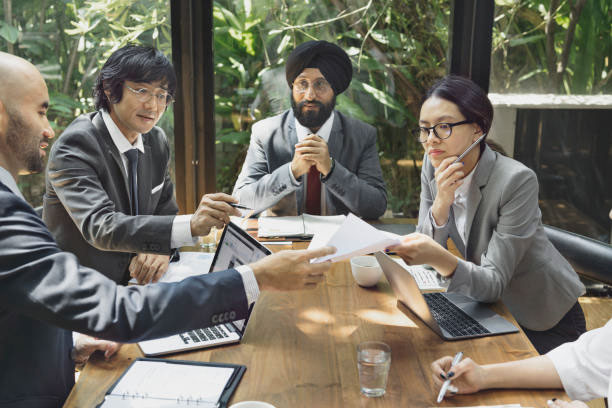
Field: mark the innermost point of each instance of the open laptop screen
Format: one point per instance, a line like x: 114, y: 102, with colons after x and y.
x: 236, y: 248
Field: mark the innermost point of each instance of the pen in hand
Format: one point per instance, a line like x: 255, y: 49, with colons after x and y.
x: 446, y: 383
x: 240, y: 206
x: 458, y: 159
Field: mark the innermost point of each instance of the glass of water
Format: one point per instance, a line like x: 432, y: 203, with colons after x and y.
x: 373, y: 362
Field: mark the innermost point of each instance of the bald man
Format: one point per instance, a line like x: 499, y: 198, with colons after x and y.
x: 313, y: 159
x: 45, y: 293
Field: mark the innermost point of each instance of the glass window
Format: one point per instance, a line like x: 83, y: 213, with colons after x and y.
x: 69, y: 42
x: 397, y: 48
x: 551, y: 88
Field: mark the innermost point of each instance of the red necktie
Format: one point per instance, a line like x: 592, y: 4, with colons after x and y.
x: 313, y: 191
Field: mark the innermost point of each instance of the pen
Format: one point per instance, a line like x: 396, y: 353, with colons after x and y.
x: 458, y: 159
x: 456, y: 361
x: 239, y: 206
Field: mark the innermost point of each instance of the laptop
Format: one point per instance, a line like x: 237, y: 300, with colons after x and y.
x: 235, y: 248
x: 452, y: 316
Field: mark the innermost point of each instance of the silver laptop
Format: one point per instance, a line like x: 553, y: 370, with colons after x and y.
x: 452, y: 315
x: 235, y: 248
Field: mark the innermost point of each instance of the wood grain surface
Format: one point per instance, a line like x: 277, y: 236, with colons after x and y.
x: 300, y: 351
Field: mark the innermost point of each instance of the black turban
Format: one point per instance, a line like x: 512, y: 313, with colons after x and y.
x: 331, y: 60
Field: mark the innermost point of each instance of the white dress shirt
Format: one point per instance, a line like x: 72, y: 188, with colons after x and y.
x: 181, y: 225
x: 460, y: 206
x: 585, y: 365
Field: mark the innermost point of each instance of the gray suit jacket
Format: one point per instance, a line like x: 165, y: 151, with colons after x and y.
x: 355, y: 185
x: 87, y: 201
x: 45, y: 293
x: 508, y: 255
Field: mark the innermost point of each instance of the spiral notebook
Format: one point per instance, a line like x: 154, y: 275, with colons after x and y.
x: 154, y: 382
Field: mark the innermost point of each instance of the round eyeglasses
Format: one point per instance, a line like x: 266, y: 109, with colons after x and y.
x: 319, y: 86
x: 144, y: 95
x: 440, y: 130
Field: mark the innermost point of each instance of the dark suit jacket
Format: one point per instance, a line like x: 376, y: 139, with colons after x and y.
x: 45, y: 293
x: 355, y: 185
x: 87, y: 200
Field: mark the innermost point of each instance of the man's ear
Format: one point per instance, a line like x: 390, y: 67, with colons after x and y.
x: 3, y: 118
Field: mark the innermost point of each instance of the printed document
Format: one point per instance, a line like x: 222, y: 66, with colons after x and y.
x: 190, y: 264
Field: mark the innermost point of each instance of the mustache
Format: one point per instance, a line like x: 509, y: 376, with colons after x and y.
x: 319, y: 104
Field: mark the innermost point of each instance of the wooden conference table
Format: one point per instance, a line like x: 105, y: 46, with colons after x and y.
x: 299, y: 350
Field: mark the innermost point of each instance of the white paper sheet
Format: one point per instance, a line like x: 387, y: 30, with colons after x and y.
x: 171, y: 383
x: 304, y: 225
x: 355, y: 237
x: 190, y: 264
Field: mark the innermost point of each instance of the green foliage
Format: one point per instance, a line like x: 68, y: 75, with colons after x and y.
x: 69, y: 41
x: 520, y: 62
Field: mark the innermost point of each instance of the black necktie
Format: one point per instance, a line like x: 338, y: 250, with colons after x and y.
x: 132, y: 156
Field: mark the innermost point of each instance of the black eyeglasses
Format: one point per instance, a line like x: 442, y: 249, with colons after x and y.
x: 441, y: 130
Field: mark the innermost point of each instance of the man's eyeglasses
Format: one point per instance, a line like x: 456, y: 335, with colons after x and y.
x: 319, y: 86
x: 144, y: 96
x: 440, y: 130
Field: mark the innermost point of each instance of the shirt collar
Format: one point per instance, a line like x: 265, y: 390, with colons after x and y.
x: 7, y: 179
x: 122, y: 143
x: 323, y: 132
x: 462, y: 191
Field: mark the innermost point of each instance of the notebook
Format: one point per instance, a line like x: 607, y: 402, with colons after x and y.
x: 301, y: 226
x: 235, y: 248
x: 452, y: 316
x: 151, y: 382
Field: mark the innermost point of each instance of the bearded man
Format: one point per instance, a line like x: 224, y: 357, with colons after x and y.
x: 313, y: 159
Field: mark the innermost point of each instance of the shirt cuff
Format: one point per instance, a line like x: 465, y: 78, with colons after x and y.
x: 434, y: 223
x: 293, y: 180
x: 181, y: 232
x: 251, y: 289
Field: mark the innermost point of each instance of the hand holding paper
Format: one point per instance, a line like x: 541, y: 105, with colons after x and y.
x: 354, y: 237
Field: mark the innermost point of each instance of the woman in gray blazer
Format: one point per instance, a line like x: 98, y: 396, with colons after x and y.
x: 487, y: 204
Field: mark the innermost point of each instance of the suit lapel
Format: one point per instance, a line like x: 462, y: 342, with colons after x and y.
x: 336, y: 137
x: 481, y: 177
x: 112, y: 151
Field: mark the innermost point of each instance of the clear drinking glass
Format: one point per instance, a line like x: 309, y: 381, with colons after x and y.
x: 209, y: 242
x: 373, y: 362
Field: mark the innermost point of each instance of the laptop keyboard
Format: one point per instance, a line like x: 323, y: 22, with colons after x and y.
x: 451, y: 318
x: 203, y: 335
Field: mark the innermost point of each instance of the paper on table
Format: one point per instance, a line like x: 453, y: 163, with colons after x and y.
x: 190, y: 264
x: 169, y: 381
x: 304, y: 225
x: 355, y: 237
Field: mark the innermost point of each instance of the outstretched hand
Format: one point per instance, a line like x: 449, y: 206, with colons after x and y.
x: 291, y: 270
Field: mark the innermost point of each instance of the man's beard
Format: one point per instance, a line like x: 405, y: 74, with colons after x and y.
x: 23, y: 143
x: 312, y: 118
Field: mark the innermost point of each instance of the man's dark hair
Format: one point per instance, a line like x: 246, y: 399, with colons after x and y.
x: 132, y: 63
x: 472, y: 101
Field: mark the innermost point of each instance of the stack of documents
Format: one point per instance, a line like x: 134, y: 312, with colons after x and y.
x: 354, y: 237
x: 302, y: 226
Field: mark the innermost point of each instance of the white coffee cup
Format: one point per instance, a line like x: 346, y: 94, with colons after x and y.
x: 252, y: 404
x: 366, y: 270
